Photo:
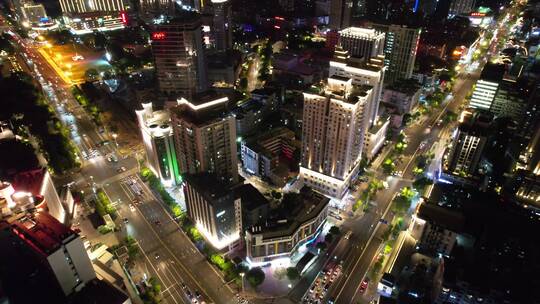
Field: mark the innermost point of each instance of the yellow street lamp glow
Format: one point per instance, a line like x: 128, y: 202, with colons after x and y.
x: 41, y: 38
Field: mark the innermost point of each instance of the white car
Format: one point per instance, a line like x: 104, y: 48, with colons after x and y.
x: 132, y: 208
x: 77, y: 58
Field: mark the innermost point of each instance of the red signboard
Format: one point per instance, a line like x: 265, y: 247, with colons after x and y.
x: 124, y: 18
x: 158, y: 35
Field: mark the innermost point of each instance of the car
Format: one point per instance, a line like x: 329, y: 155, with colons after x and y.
x: 188, y: 294
x: 197, y: 294
x: 157, y: 223
x: 312, y: 289
x: 348, y: 234
x: 156, y: 255
x: 183, y: 285
x: 77, y: 58
x: 326, y: 287
x: 126, y: 220
x: 364, y: 285
x: 132, y: 208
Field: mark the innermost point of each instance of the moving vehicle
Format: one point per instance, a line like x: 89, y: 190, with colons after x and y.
x: 364, y: 285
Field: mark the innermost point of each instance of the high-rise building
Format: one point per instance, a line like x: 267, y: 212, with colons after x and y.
x: 468, y: 144
x: 361, y: 42
x: 499, y: 93
x: 340, y: 14
x: 214, y: 209
x: 179, y: 56
x: 458, y: 7
x: 333, y: 131
x: 362, y: 72
x: 222, y: 24
x: 400, y: 47
x: 158, y: 141
x: 43, y: 256
x: 205, y: 136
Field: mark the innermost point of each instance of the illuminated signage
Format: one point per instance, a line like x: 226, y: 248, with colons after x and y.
x: 478, y: 14
x: 123, y: 16
x: 158, y: 35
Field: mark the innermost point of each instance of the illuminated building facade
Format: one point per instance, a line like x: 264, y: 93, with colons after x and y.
x: 498, y: 92
x: 205, y: 136
x: 362, y: 72
x: 279, y: 239
x: 468, y: 144
x: 212, y: 206
x: 156, y: 131
x: 333, y: 130
x: 179, y: 57
x: 86, y: 16
x: 361, y: 42
x: 222, y: 24
x: 401, y: 43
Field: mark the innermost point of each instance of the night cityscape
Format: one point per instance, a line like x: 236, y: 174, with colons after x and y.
x: 269, y: 151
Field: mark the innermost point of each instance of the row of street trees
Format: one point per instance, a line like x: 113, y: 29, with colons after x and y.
x: 24, y: 105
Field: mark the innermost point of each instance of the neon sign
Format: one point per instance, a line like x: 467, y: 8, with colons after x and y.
x: 123, y: 16
x: 158, y: 35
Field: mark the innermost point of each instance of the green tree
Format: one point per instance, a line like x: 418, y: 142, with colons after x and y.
x: 328, y: 238
x: 292, y: 273
x: 334, y: 230
x: 388, y: 166
x: 321, y: 246
x: 255, y: 276
x: 91, y: 74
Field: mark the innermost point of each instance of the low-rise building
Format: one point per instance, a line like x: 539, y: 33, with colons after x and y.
x: 403, y: 95
x: 261, y: 155
x: 281, y: 235
x: 376, y: 136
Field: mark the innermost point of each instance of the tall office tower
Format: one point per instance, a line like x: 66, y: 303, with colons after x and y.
x: 222, y: 24
x: 370, y: 72
x: 158, y: 141
x: 333, y: 134
x: 205, y: 136
x: 179, y: 56
x: 469, y: 143
x: 499, y: 92
x: 214, y: 209
x: 340, y: 14
x: 458, y: 7
x: 400, y: 47
x: 362, y: 42
x: 43, y: 261
x: 83, y: 17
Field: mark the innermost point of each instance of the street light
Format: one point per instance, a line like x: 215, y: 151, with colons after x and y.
x: 242, y: 276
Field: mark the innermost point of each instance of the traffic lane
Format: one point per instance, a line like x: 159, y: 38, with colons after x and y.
x: 170, y: 234
x: 201, y: 275
x: 148, y: 238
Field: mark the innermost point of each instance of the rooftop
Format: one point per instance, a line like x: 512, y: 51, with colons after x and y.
x: 450, y: 219
x: 42, y: 232
x: 202, y: 109
x: 302, y: 208
x: 208, y: 186
x: 361, y: 32
x: 406, y: 86
x: 250, y: 196
x: 493, y: 72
